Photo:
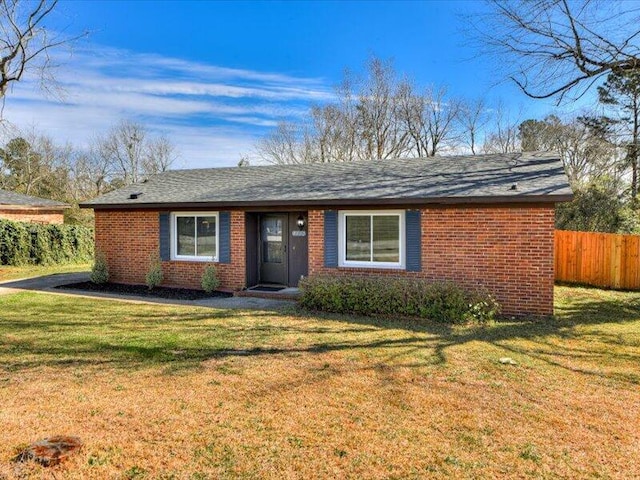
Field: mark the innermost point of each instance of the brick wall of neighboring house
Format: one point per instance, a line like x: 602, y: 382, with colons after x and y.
x: 35, y: 215
x: 129, y: 238
x: 507, y: 249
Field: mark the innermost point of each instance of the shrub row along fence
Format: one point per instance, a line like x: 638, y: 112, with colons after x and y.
x: 30, y: 243
x: 599, y: 259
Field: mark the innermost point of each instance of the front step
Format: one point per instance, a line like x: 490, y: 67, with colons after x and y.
x: 285, y: 294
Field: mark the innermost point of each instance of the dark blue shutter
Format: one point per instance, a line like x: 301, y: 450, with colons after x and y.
x: 330, y: 238
x: 225, y: 238
x: 413, y: 241
x: 165, y: 236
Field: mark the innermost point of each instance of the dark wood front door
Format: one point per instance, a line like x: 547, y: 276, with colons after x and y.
x: 273, y: 249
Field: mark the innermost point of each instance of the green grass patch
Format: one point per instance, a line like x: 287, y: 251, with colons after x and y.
x: 8, y: 272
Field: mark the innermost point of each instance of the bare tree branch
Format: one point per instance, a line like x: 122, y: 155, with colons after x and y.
x: 25, y: 42
x: 559, y: 48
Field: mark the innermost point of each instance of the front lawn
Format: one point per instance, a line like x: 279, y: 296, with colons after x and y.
x: 178, y: 392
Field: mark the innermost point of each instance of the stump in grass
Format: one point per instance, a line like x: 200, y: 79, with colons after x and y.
x: 49, y: 451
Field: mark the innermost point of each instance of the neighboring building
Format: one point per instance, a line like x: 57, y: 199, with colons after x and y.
x: 25, y: 208
x: 483, y: 220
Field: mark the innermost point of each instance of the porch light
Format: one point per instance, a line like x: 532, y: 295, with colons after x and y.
x: 300, y: 222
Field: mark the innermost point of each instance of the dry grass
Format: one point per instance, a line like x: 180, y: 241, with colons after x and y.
x: 8, y: 272
x: 176, y: 392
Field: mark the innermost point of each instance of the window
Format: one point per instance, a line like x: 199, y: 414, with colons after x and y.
x: 371, y: 239
x: 195, y: 236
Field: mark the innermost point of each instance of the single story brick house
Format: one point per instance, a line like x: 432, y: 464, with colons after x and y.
x: 483, y: 220
x: 26, y: 208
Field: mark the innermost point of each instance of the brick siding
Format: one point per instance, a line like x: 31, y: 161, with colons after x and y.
x: 129, y: 238
x: 35, y: 215
x: 508, y: 250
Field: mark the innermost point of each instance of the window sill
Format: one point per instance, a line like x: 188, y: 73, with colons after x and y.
x: 194, y: 259
x: 365, y: 266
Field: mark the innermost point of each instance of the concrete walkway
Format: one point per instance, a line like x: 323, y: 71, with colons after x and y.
x: 49, y: 283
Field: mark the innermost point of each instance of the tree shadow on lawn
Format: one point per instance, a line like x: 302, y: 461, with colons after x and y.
x: 183, y: 341
x: 571, y: 336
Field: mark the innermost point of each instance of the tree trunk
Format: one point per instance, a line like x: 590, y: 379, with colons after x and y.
x: 635, y: 149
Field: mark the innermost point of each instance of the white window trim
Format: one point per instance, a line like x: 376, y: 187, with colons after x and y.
x: 342, y: 240
x: 174, y: 237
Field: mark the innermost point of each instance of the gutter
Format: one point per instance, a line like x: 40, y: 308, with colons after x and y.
x: 34, y: 207
x: 503, y: 199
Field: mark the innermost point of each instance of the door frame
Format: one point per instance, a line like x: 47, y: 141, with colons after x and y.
x: 285, y: 240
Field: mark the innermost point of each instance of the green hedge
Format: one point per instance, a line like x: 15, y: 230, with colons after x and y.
x: 439, y: 301
x: 31, y: 243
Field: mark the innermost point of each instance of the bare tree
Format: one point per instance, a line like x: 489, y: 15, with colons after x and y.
x: 381, y: 133
x: 473, y: 117
x: 346, y: 135
x: 25, y: 41
x: 131, y: 154
x: 335, y: 133
x: 286, y: 145
x: 160, y: 155
x: 123, y: 147
x: 375, y: 117
x: 55, y: 160
x: 553, y: 48
x: 430, y: 119
x: 588, y: 155
x: 502, y: 134
x: 92, y: 172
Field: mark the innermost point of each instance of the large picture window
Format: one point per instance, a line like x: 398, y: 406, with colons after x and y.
x: 195, y: 236
x: 373, y: 239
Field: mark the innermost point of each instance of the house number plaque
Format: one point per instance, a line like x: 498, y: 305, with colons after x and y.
x: 298, y: 233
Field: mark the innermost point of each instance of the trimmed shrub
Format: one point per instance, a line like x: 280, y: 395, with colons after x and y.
x: 100, y: 270
x: 154, y: 275
x: 81, y: 241
x: 24, y: 243
x: 15, y: 243
x: 210, y: 281
x: 438, y: 301
x: 41, y: 245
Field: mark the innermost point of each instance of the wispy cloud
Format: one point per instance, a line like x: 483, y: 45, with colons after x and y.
x: 213, y: 114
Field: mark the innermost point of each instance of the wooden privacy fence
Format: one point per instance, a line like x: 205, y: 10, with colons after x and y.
x: 600, y: 259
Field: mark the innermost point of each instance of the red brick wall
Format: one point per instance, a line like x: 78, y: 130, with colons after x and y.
x: 129, y: 238
x: 32, y: 215
x: 508, y: 250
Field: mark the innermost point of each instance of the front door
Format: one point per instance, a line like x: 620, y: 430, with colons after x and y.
x: 273, y: 249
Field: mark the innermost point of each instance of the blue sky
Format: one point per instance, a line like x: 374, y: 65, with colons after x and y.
x: 216, y: 76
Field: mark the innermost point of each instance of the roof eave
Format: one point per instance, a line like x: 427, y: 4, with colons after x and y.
x: 6, y: 206
x: 498, y: 199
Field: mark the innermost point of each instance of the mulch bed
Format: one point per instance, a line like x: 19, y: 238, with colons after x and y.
x: 143, y: 291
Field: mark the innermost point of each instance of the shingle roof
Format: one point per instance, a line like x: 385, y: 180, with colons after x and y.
x: 18, y: 199
x: 456, y: 179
